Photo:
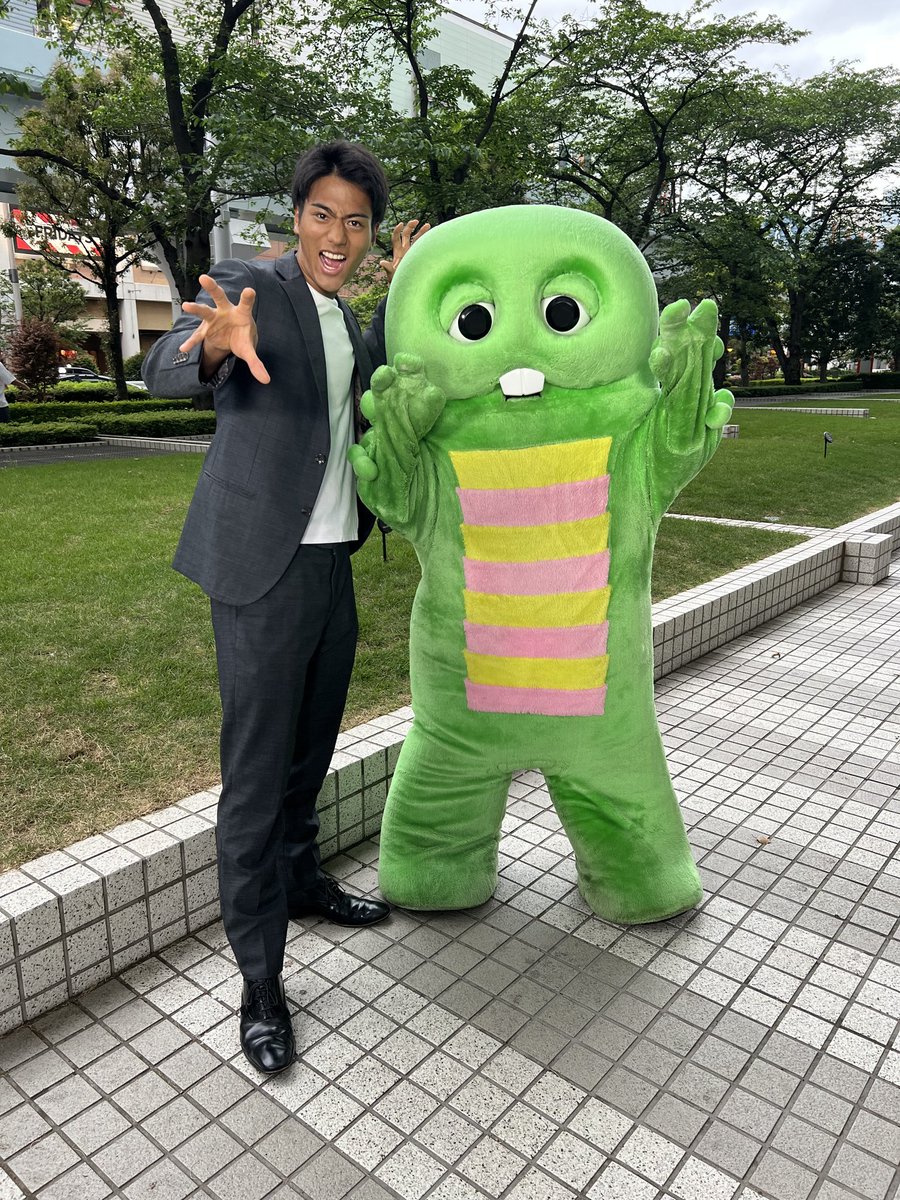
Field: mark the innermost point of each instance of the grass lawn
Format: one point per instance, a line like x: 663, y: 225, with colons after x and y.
x: 108, y: 700
x: 776, y: 469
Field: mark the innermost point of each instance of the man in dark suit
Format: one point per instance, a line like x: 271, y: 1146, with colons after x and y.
x: 268, y: 537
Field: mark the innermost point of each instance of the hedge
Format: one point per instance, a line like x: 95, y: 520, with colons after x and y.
x: 880, y: 379
x: 44, y: 435
x: 790, y: 389
x: 164, y: 424
x: 51, y: 410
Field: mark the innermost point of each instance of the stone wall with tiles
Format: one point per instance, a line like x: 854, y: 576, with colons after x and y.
x: 76, y: 917
x: 73, y: 918
x: 692, y: 623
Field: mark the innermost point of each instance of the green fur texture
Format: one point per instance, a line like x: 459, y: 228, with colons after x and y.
x: 543, y: 605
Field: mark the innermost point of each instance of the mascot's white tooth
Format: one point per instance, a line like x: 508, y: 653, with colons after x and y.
x: 522, y: 381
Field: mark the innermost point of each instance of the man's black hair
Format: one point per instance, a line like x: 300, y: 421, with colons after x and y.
x: 350, y: 161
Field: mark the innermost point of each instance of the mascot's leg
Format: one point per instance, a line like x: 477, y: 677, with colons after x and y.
x: 441, y: 827
x: 633, y: 857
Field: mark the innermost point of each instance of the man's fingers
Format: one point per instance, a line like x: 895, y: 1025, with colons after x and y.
x: 203, y: 311
x: 257, y: 370
x: 247, y: 300
x: 415, y: 237
x: 247, y: 351
x: 195, y: 339
x: 215, y: 291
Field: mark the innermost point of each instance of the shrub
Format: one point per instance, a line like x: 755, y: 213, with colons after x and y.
x: 133, y: 365
x: 33, y: 356
x: 164, y: 424
x: 51, y: 410
x: 82, y: 359
x: 789, y: 389
x: 880, y: 379
x: 44, y: 435
x: 364, y: 305
x: 89, y: 390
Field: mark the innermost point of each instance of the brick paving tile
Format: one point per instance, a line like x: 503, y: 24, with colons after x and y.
x: 530, y: 1051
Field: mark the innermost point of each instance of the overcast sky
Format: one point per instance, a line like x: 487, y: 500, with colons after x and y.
x: 864, y: 30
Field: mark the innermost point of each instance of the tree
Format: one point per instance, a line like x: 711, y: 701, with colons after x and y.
x: 842, y: 284
x: 227, y: 92
x: 460, y: 148
x: 81, y: 150
x: 630, y: 101
x: 888, y: 338
x: 797, y: 166
x: 34, y: 356
x: 714, y: 254
x: 54, y: 296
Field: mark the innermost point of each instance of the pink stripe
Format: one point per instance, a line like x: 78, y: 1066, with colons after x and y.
x: 579, y: 641
x: 546, y: 577
x: 535, y: 505
x: 550, y: 702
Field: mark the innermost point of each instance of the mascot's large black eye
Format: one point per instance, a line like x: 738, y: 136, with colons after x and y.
x: 564, y: 314
x: 473, y: 323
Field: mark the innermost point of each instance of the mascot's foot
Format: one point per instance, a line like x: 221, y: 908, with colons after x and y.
x: 659, y: 896
x: 435, y: 886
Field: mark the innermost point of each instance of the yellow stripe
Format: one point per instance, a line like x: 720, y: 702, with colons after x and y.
x: 531, y: 543
x: 535, y: 466
x: 571, y: 673
x: 556, y: 612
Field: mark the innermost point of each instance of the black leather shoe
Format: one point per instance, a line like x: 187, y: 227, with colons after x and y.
x: 330, y: 901
x: 267, y: 1038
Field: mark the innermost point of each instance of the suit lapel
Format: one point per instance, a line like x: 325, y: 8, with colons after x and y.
x: 297, y: 291
x: 360, y: 350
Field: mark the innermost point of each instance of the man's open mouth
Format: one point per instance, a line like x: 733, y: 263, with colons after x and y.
x: 521, y: 383
x: 331, y: 262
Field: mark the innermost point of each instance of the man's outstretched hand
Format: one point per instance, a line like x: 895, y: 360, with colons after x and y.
x: 402, y: 237
x: 225, y: 329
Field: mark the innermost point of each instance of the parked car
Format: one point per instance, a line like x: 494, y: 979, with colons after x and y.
x: 84, y: 375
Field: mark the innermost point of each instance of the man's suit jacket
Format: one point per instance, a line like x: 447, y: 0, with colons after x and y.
x: 265, y: 466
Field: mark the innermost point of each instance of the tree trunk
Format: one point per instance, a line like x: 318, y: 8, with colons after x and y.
x: 196, y: 248
x: 745, y: 361
x: 114, y: 324
x: 720, y: 368
x: 793, y: 363
x: 823, y: 366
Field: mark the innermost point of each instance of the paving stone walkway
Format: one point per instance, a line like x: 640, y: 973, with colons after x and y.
x: 528, y: 1050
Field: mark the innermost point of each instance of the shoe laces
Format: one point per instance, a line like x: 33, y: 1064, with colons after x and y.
x: 333, y: 889
x: 263, y: 997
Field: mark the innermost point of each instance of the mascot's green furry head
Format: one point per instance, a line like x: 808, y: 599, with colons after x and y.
x: 514, y: 303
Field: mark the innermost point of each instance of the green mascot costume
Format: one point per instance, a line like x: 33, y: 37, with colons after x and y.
x: 538, y: 419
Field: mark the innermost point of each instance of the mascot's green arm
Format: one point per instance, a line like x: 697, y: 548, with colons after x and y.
x: 391, y: 461
x: 685, y: 427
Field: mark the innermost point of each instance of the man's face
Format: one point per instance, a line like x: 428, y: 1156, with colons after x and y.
x: 335, y: 231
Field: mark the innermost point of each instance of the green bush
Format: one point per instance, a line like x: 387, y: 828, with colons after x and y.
x: 71, y: 389
x: 84, y: 360
x: 365, y: 303
x: 133, y: 365
x: 790, y: 389
x: 44, y: 435
x: 880, y: 379
x: 51, y: 410
x: 164, y: 424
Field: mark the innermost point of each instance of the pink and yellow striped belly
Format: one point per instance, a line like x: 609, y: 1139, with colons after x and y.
x: 536, y: 536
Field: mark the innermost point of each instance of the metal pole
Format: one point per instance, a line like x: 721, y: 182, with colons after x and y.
x: 9, y: 268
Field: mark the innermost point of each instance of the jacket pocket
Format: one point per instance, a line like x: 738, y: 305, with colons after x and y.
x: 230, y: 460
